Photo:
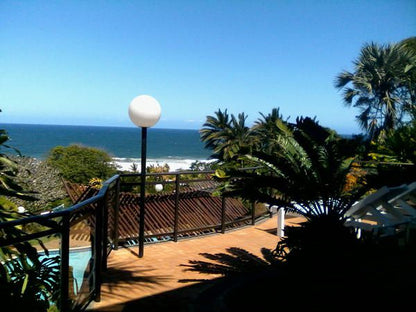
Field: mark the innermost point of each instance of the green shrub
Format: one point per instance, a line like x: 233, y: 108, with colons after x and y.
x: 80, y: 164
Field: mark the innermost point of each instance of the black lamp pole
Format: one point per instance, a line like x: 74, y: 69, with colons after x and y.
x: 144, y: 112
x: 142, y: 193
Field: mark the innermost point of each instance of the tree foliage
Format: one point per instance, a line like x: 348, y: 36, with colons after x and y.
x: 80, y: 164
x: 400, y: 145
x: 226, y: 135
x: 409, y: 43
x: 381, y: 86
x: 409, y: 47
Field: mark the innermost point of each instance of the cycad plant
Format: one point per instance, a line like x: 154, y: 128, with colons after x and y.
x: 303, y: 170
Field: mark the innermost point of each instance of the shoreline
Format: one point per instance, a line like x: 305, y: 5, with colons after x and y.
x: 125, y: 164
x: 175, y: 164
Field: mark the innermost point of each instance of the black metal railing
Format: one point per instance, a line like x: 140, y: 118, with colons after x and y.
x: 170, y: 205
x: 54, y: 229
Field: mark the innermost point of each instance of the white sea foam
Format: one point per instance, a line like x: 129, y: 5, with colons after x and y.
x: 125, y: 164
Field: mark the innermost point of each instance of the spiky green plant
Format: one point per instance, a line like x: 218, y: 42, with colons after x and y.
x: 305, y: 172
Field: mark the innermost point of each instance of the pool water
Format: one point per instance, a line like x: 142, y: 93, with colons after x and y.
x: 79, y: 260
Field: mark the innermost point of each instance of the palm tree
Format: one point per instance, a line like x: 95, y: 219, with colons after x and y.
x: 226, y: 135
x: 264, y: 129
x: 409, y: 47
x: 379, y: 87
x: 409, y: 44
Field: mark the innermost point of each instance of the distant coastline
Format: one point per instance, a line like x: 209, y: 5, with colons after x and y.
x: 125, y: 164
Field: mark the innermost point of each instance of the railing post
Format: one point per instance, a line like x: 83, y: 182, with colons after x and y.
x: 116, y: 214
x: 64, y: 254
x: 223, y: 204
x: 280, y: 222
x: 104, y: 210
x: 97, y: 250
x: 176, y: 215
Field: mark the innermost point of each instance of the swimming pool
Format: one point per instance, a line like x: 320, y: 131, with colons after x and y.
x: 79, y: 263
x: 79, y: 260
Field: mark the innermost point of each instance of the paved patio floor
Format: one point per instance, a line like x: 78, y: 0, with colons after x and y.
x: 130, y: 281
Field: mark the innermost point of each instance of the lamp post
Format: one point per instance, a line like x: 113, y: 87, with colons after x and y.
x: 144, y: 112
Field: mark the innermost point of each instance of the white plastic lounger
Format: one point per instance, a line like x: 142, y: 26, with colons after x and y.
x: 384, y: 210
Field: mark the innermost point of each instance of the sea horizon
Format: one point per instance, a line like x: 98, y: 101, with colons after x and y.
x: 178, y: 148
x: 85, y: 125
x: 122, y: 143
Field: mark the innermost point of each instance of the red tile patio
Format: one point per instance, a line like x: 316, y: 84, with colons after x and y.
x: 130, y: 279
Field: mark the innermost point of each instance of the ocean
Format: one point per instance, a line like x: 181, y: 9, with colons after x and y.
x: 176, y: 147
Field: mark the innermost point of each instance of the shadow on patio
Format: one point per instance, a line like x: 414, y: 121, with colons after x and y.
x: 165, y: 277
x: 250, y: 283
x: 236, y: 266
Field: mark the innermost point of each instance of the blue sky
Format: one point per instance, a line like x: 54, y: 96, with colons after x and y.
x: 82, y: 62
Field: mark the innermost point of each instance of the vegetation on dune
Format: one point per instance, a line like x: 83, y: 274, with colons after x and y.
x: 80, y: 164
x: 164, y: 183
x: 151, y: 181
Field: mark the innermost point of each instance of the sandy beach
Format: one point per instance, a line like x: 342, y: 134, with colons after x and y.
x: 174, y: 164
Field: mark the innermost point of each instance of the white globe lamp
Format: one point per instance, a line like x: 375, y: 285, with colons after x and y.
x: 158, y: 187
x: 144, y: 111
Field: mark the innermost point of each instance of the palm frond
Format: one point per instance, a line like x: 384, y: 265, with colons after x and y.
x: 343, y: 79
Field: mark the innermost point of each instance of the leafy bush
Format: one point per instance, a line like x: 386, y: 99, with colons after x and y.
x: 402, y: 143
x: 394, y: 159
x: 80, y: 164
